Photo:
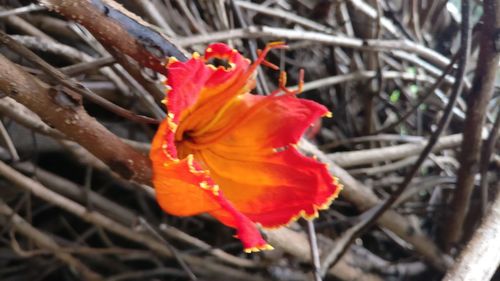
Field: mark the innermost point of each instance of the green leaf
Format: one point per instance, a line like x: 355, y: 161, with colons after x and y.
x: 414, y: 89
x: 412, y: 70
x: 394, y: 98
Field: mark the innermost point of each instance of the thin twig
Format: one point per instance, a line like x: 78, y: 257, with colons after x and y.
x: 486, y: 155
x: 176, y: 255
x: 79, y: 68
x: 314, y: 250
x: 429, y: 93
x: 22, y: 10
x: 7, y: 140
x: 396, y: 152
x: 284, y: 15
x: 44, y: 241
x: 318, y: 37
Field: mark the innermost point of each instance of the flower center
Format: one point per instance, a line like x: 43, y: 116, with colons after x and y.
x: 220, y: 62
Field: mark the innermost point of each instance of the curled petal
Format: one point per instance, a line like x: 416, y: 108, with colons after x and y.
x: 236, y: 64
x: 256, y: 164
x: 194, y: 82
x: 183, y: 188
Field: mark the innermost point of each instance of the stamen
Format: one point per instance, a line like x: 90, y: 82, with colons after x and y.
x: 301, y: 81
x: 282, y: 83
x: 266, y: 62
x: 262, y: 54
x: 282, y: 80
x: 276, y: 44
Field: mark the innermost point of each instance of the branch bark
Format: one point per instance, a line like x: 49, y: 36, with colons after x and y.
x: 479, y: 96
x: 115, y: 27
x: 481, y: 257
x: 56, y: 108
x: 368, y: 156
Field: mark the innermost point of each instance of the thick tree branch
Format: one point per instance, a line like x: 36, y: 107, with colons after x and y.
x: 479, y: 96
x: 56, y: 108
x: 63, y: 80
x: 481, y: 258
x: 115, y: 27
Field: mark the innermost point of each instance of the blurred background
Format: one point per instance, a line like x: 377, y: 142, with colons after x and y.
x: 414, y: 91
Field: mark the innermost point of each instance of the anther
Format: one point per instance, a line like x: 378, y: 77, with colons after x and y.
x: 301, y: 81
x: 282, y: 81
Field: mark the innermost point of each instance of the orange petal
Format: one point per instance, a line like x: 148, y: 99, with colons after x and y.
x: 274, y: 189
x: 184, y: 189
x: 262, y: 121
x: 257, y: 165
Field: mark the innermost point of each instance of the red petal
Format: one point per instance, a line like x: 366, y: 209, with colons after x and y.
x: 194, y: 82
x: 184, y: 189
x: 257, y: 165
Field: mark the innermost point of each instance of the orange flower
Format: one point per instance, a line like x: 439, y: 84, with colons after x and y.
x: 226, y: 152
